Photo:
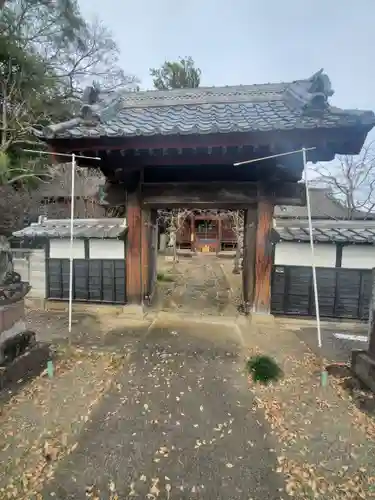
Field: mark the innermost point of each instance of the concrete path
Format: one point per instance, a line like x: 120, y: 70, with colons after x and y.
x: 200, y: 287
x: 177, y: 425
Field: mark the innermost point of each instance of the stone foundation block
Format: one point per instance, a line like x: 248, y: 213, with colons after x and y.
x: 363, y: 365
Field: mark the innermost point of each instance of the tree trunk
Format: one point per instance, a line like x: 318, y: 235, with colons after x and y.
x: 237, y: 257
x: 175, y: 251
x: 172, y: 244
x: 239, y: 238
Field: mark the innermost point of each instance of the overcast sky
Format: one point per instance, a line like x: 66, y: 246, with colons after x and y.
x: 250, y: 41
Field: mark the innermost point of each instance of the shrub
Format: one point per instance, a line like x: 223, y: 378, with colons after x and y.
x: 263, y: 369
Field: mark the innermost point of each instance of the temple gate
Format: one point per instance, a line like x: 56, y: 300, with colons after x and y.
x: 177, y: 149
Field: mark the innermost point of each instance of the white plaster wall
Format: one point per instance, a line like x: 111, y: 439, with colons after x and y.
x: 358, y: 257
x: 38, y: 274
x: 299, y: 254
x: 32, y: 268
x: 106, y: 249
x: 60, y: 249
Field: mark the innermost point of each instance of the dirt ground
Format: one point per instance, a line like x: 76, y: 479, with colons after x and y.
x: 176, y: 424
x: 326, y: 433
x: 42, y: 418
x: 134, y: 408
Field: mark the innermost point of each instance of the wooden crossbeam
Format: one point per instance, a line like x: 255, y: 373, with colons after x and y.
x: 234, y: 195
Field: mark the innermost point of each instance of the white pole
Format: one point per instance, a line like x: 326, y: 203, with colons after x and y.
x: 71, y: 243
x: 315, y: 285
x: 272, y: 156
x: 73, y: 160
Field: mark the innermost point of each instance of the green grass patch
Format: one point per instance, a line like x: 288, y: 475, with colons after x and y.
x: 263, y: 369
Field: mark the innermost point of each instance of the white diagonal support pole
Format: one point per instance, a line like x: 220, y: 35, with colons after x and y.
x: 313, y: 268
x: 73, y: 158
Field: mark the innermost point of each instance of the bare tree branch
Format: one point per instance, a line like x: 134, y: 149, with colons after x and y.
x: 351, y: 180
x: 173, y: 220
x: 236, y: 218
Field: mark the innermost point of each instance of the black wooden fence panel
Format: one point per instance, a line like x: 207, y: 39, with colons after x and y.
x: 343, y: 293
x: 94, y: 280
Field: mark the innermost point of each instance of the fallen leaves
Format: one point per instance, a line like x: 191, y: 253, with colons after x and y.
x: 361, y: 419
x: 304, y: 481
x: 50, y: 452
x: 300, y: 413
x: 162, y: 452
x: 39, y: 424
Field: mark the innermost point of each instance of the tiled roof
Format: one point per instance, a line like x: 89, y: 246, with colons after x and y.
x: 301, y: 104
x: 327, y: 231
x: 323, y: 206
x: 83, y: 228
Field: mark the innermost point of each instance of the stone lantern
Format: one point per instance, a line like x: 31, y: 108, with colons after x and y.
x: 14, y: 337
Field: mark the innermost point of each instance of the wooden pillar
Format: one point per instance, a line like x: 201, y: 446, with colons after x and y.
x: 248, y: 262
x: 263, y: 259
x: 133, y: 249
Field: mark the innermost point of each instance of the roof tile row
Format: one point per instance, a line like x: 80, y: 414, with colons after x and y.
x: 301, y: 104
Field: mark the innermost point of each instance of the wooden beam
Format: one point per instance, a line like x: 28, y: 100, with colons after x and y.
x: 283, y: 193
x: 197, y: 195
x: 348, y: 140
x: 249, y: 254
x: 133, y: 249
x: 263, y: 260
x: 219, y: 195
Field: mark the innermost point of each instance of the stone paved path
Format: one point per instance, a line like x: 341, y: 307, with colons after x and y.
x: 177, y: 425
x: 200, y: 287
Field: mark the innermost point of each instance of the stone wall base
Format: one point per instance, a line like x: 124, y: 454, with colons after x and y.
x: 35, y: 303
x: 131, y: 311
x: 364, y: 368
x: 262, y: 318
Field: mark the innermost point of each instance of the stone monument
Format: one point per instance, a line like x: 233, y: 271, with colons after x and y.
x: 14, y: 336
